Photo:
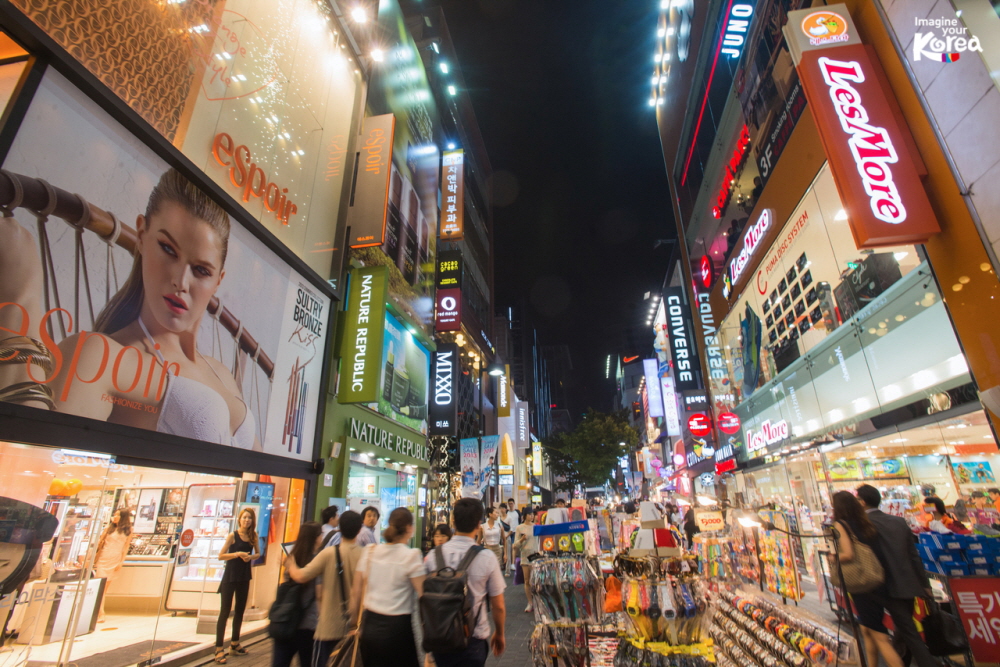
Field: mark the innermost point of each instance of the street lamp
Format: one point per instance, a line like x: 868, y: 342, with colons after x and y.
x: 495, y: 369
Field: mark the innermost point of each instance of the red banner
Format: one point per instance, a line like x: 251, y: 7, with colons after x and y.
x: 977, y: 600
x: 870, y: 162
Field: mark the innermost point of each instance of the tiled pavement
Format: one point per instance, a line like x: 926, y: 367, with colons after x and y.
x: 518, y: 654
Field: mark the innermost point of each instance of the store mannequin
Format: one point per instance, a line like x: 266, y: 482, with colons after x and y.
x: 111, y: 551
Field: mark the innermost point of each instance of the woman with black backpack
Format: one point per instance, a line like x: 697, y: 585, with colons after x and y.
x: 301, y: 643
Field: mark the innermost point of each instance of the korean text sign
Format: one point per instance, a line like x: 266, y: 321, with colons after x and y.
x: 978, y: 602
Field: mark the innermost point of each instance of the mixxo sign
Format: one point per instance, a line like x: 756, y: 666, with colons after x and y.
x: 443, y: 413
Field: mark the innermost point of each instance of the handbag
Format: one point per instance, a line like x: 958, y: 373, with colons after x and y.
x: 943, y: 632
x: 346, y: 653
x: 861, y: 574
x: 518, y: 572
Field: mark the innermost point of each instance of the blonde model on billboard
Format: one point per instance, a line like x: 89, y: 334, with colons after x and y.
x: 141, y: 366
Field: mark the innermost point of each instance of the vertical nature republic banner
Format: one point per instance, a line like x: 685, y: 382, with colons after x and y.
x: 169, y: 348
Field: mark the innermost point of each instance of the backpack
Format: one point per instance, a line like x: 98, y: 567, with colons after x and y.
x: 286, y: 612
x: 446, y: 606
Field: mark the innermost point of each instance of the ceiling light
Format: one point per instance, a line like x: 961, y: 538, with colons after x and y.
x: 841, y: 215
x: 452, y: 91
x: 900, y: 255
x: 652, y: 101
x: 444, y: 68
x: 451, y: 145
x: 377, y: 55
x: 656, y: 80
x: 359, y: 15
x: 661, y: 32
x: 670, y: 31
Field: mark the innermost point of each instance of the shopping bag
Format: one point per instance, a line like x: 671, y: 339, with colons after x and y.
x: 518, y: 572
x: 346, y: 653
x: 943, y: 632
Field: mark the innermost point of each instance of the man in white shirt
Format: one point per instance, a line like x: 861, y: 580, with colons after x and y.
x: 513, y: 519
x: 557, y: 514
x: 330, y: 517
x: 484, y: 579
x: 367, y: 535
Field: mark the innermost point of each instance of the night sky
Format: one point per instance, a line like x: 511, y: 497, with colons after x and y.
x: 561, y: 92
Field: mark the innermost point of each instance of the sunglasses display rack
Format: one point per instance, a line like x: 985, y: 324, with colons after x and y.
x: 750, y: 631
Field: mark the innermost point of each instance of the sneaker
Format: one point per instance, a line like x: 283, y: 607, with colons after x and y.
x: 528, y: 609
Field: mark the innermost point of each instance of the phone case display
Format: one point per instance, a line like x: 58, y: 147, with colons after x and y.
x: 747, y: 560
x: 750, y: 631
x: 717, y: 557
x: 567, y: 590
x: 777, y: 558
x: 203, y: 533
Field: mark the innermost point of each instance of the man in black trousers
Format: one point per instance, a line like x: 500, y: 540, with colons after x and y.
x: 905, y: 576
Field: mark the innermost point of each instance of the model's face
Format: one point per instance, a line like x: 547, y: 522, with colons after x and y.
x: 371, y: 519
x: 117, y: 516
x: 246, y: 521
x: 439, y: 539
x: 181, y: 266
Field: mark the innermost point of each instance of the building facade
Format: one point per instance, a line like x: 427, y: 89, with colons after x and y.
x: 836, y: 327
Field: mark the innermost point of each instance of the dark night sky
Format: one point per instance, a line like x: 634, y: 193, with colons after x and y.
x: 561, y: 92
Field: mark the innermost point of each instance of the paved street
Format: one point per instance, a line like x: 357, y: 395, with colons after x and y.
x: 518, y: 653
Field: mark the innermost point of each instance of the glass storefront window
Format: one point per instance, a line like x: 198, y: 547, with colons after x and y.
x: 382, y: 488
x: 155, y: 585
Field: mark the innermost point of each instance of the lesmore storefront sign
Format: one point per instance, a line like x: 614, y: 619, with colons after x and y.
x: 380, y: 437
x: 875, y: 173
x: 364, y: 329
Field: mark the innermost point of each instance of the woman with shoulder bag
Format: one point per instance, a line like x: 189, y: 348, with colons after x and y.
x: 303, y: 552
x: 860, y: 563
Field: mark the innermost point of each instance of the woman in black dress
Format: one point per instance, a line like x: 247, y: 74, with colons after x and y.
x: 849, y: 515
x: 237, y: 552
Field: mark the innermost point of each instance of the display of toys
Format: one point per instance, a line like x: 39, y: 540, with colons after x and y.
x: 632, y: 652
x: 567, y: 589
x: 777, y: 558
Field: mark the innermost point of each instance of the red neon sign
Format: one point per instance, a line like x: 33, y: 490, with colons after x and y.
x: 729, y: 177
x: 705, y: 271
x: 699, y: 424
x: 729, y: 423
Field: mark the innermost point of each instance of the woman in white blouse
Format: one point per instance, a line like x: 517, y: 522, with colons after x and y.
x: 389, y: 577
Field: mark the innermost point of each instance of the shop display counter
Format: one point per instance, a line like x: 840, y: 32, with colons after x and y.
x: 49, y: 609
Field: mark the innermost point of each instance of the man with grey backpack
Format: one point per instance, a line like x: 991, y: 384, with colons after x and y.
x: 464, y: 585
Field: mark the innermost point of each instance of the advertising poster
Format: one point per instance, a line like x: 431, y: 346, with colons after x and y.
x: 406, y: 367
x: 470, y: 465
x: 399, y: 87
x: 144, y: 520
x: 975, y: 472
x: 489, y: 459
x: 976, y: 599
x: 846, y: 469
x: 204, y: 333
x: 892, y: 468
x: 261, y: 495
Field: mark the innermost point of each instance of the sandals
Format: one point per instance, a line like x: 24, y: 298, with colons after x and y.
x: 220, y: 656
x: 237, y: 649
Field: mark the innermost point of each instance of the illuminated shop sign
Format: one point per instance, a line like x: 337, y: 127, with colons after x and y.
x: 729, y: 177
x: 364, y: 330
x: 705, y: 271
x: 737, y: 26
x: 729, y: 423
x: 370, y: 200
x: 448, y: 310
x: 768, y: 434
x: 380, y: 437
x: 699, y: 424
x: 716, y: 362
x: 650, y: 369
x: 866, y: 147
x: 246, y: 176
x: 670, y: 405
x: 682, y: 346
x: 443, y: 418
x: 751, y: 241
x: 452, y: 195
